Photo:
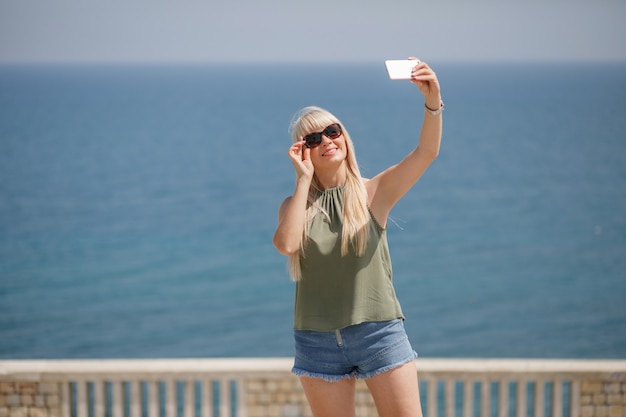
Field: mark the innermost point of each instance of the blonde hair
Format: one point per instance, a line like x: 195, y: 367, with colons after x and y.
x: 356, y: 216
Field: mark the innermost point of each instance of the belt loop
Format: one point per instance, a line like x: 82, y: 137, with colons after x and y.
x: 339, y: 338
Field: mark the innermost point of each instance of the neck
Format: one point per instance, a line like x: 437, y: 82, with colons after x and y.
x: 334, y: 178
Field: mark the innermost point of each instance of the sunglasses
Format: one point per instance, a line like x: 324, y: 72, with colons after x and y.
x: 313, y: 140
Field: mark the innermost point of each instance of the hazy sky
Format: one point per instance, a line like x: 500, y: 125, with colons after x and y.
x: 295, y: 30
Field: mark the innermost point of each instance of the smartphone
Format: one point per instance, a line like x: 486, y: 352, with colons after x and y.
x: 400, y: 69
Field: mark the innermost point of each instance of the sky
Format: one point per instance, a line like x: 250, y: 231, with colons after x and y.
x: 311, y: 31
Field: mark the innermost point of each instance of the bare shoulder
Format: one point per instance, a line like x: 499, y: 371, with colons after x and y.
x: 370, y: 185
x: 375, y: 201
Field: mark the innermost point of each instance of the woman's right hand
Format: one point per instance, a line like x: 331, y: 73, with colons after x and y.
x: 300, y: 157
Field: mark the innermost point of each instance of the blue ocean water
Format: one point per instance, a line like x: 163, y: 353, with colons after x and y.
x: 138, y: 203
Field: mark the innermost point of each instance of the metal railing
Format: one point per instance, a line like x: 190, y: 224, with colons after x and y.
x: 217, y: 387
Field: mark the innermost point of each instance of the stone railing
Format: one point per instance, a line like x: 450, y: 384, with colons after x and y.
x: 264, y: 387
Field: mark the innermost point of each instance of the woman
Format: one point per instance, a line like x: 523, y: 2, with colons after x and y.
x: 348, y: 322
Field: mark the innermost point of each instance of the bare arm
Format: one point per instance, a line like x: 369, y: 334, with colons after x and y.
x: 291, y: 214
x: 385, y: 189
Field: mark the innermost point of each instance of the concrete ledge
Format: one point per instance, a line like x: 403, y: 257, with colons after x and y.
x: 535, y: 366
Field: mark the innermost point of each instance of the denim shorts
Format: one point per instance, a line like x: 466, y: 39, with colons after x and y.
x: 362, y: 351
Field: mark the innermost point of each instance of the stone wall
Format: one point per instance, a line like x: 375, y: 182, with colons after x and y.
x: 29, y: 399
x: 603, y: 399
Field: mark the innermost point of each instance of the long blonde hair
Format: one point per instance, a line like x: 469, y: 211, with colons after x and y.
x: 356, y: 216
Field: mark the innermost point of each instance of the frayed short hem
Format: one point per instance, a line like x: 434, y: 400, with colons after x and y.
x: 355, y: 374
x: 325, y: 377
x: 377, y: 372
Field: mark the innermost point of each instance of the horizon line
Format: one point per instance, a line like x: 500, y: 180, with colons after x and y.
x: 314, y: 62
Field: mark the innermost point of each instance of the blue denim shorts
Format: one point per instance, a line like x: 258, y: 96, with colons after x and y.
x: 362, y: 351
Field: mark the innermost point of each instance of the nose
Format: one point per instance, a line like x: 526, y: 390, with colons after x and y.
x: 325, y: 140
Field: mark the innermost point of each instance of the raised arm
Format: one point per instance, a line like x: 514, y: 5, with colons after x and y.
x: 288, y: 234
x: 385, y: 189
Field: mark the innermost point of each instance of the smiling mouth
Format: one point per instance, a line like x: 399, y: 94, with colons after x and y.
x: 329, y: 151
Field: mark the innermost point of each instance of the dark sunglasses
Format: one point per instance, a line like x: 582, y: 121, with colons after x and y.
x: 313, y: 140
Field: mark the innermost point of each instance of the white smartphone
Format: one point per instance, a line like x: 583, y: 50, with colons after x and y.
x: 400, y: 69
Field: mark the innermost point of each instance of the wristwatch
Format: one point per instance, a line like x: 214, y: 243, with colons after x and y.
x: 434, y: 112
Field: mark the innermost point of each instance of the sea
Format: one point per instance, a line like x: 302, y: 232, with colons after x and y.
x: 138, y: 204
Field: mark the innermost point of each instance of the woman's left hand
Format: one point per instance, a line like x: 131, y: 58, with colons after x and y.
x: 426, y: 80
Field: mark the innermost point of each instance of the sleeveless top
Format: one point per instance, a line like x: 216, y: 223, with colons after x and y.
x: 338, y: 291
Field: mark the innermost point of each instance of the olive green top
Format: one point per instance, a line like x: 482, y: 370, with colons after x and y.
x: 337, y: 291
